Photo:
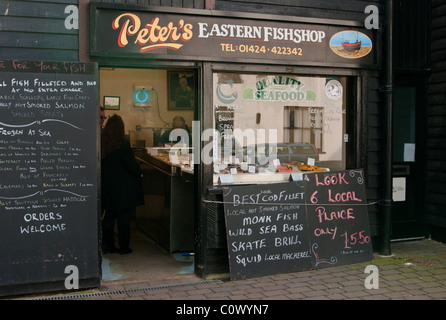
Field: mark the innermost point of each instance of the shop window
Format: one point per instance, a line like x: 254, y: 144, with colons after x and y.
x: 282, y: 150
x: 273, y: 124
x: 301, y: 125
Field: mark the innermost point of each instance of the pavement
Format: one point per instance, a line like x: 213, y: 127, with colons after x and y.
x: 416, y: 270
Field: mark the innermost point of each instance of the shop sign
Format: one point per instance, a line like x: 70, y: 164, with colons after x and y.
x: 139, y: 33
x: 278, y: 88
x: 317, y: 221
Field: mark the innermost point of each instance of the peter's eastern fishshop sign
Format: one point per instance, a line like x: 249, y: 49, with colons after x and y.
x: 144, y: 34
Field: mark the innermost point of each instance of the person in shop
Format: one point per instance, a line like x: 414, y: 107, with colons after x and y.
x: 178, y: 122
x: 103, y: 116
x: 121, y: 186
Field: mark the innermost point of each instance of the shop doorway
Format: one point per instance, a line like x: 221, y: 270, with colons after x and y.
x: 147, y: 101
x: 408, y: 158
x: 148, y: 261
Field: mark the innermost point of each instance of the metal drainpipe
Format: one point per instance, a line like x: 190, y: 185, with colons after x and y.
x: 387, y: 199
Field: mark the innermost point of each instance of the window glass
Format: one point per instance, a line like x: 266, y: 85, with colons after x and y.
x: 283, y: 150
x: 403, y: 137
x: 282, y: 120
x: 302, y: 149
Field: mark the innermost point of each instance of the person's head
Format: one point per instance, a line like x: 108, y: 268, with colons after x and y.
x: 113, y: 135
x: 103, y: 117
x: 183, y: 82
x: 178, y: 122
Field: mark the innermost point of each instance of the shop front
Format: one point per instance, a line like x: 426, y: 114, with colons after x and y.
x: 273, y: 98
x: 212, y: 102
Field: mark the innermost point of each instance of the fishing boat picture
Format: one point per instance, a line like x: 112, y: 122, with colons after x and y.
x: 351, y: 44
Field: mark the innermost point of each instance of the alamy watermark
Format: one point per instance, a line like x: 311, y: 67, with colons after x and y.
x: 72, y: 280
x: 251, y: 146
x: 372, y: 280
x: 72, y: 20
x: 372, y: 20
x: 224, y: 146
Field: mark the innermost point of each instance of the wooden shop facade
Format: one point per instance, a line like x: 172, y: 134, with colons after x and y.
x: 327, y: 90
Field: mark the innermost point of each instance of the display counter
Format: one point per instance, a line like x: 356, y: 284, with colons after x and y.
x: 227, y: 174
x: 168, y: 213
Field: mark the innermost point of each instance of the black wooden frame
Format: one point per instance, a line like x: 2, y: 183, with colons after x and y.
x: 211, y: 251
x: 210, y: 256
x: 95, y: 52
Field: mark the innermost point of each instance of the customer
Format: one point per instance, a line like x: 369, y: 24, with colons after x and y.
x: 121, y: 185
x: 103, y: 116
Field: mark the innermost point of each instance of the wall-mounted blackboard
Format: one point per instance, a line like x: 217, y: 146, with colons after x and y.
x: 318, y: 222
x: 48, y: 171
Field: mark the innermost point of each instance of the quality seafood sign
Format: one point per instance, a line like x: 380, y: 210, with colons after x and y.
x: 144, y: 34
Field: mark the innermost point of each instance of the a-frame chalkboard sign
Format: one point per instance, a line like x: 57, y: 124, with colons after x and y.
x: 338, y: 220
x: 266, y: 229
x: 318, y: 222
